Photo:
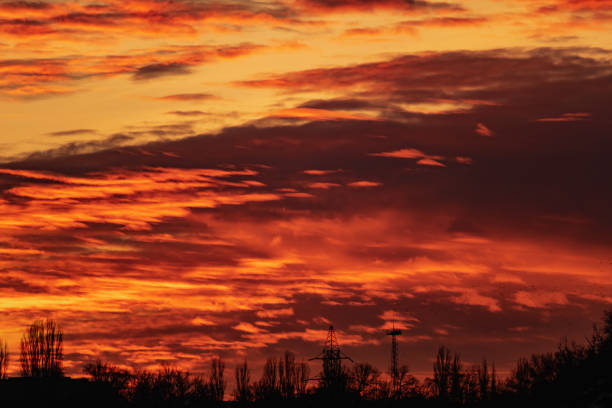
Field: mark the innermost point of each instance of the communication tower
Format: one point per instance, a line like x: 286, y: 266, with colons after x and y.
x: 394, y: 357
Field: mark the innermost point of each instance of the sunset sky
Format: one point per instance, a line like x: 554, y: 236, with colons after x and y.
x: 184, y: 179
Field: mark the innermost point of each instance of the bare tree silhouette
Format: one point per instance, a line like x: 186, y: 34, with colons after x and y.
x: 456, y: 379
x: 268, y: 385
x: 243, y: 391
x: 217, y: 381
x: 168, y: 387
x: 573, y: 376
x: 282, y: 379
x: 407, y: 383
x: 42, y: 350
x: 287, y: 375
x: 493, y: 393
x: 484, y: 380
x: 470, y: 387
x: 302, y: 373
x: 365, y: 378
x: 4, y: 359
x: 442, y: 372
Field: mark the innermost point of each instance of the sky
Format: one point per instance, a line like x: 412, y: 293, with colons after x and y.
x: 187, y: 179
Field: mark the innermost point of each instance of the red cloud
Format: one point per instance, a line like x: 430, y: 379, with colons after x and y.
x: 319, y: 172
x: 567, y: 117
x: 482, y: 130
x: 402, y: 154
x: 365, y: 183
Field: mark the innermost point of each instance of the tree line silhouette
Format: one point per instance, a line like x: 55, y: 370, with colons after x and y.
x: 575, y: 375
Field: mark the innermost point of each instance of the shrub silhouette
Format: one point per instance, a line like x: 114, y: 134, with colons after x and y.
x: 168, y: 387
x: 116, y: 379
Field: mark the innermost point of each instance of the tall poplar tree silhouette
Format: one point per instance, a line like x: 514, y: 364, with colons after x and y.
x: 42, y: 350
x: 4, y: 359
x: 243, y: 390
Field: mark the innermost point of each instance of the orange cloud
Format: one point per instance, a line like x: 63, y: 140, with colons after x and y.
x: 82, y: 200
x: 324, y: 186
x: 402, y: 154
x: 365, y: 183
x: 427, y: 161
x: 318, y: 114
x: 319, y: 172
x: 424, y: 159
x: 275, y: 313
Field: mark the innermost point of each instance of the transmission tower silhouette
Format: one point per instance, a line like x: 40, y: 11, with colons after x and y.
x: 394, y: 357
x: 332, y: 356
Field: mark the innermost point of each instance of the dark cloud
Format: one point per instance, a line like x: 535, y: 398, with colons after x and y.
x: 377, y: 4
x: 413, y: 77
x: 19, y: 285
x: 576, y: 6
x: 72, y: 132
x: 183, y: 16
x: 157, y: 70
x: 94, y: 19
x: 25, y: 27
x: 187, y: 97
x: 189, y: 113
x: 49, y: 76
x: 340, y: 104
x: 25, y: 5
x: 164, y: 131
x: 444, y: 22
x: 75, y: 148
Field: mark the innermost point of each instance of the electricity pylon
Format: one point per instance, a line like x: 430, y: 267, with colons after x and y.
x: 332, y: 357
x: 394, y: 358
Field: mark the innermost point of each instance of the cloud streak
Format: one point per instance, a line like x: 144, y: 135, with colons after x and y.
x: 36, y: 77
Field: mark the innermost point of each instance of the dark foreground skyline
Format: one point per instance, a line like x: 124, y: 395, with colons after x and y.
x: 190, y: 179
x: 573, y: 375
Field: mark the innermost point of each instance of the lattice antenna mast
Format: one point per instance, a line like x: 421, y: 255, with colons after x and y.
x: 332, y: 356
x: 394, y: 357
